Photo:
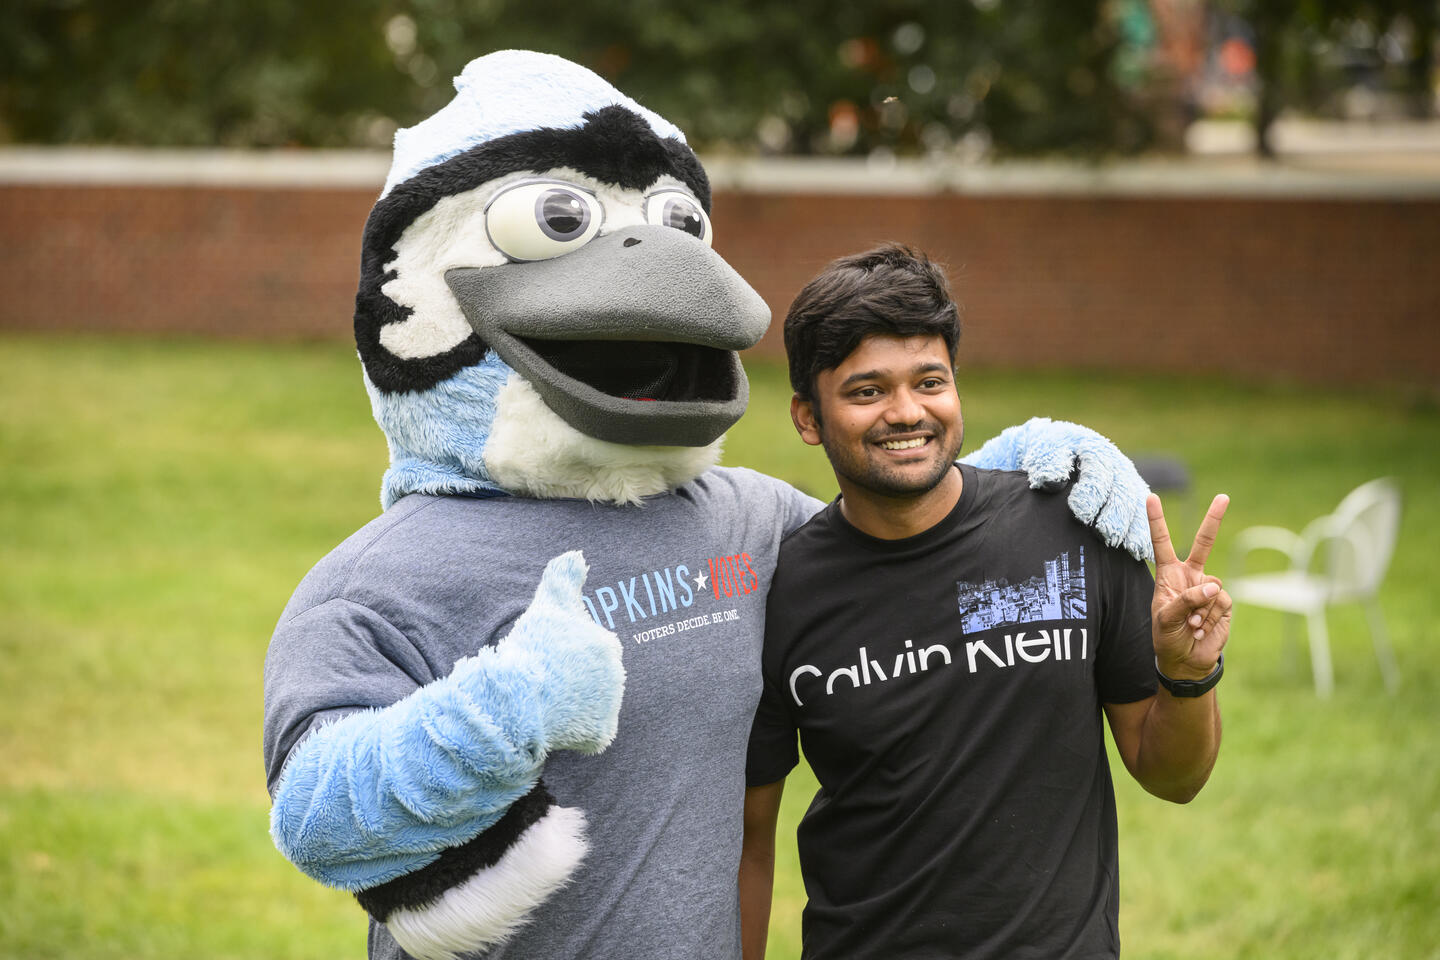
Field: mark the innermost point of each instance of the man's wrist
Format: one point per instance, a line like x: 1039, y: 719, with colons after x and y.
x: 1187, y: 686
x: 1186, y: 670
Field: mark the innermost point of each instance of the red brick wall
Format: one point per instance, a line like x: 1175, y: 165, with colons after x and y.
x: 1321, y: 289
x: 234, y: 262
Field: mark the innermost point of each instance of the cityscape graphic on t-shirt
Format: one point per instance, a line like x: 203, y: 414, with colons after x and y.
x: 1056, y: 594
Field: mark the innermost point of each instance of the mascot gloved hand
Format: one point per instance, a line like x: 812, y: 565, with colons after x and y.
x: 437, y: 765
x: 1107, y: 494
x: 551, y: 348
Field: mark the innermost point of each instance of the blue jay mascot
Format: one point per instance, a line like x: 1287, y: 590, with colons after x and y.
x: 550, y: 347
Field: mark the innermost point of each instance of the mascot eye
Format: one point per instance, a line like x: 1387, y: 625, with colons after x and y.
x: 671, y: 208
x: 540, y: 219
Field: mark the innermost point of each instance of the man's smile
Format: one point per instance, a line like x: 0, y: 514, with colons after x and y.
x: 907, y: 444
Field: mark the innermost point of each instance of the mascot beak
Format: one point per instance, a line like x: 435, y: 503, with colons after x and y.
x: 631, y: 339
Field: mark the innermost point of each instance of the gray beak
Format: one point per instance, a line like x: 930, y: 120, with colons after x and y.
x: 630, y: 339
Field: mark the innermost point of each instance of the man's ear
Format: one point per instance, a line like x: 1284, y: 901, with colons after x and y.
x: 807, y: 424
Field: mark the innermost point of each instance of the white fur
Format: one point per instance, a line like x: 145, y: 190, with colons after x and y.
x: 507, y: 92
x: 531, y: 451
x: 449, y: 234
x: 452, y: 234
x: 491, y: 905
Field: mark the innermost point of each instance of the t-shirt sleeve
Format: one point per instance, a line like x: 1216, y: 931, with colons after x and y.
x: 328, y: 661
x: 1125, y: 663
x: 772, y: 752
x: 797, y: 508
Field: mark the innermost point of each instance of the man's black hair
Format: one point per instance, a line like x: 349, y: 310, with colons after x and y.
x: 892, y: 290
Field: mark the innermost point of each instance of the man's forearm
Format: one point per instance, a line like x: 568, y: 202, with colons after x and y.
x: 757, y: 867
x: 1168, y: 743
x: 1178, y: 745
x: 757, y: 882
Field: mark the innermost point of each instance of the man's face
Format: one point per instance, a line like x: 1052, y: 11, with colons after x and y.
x: 888, y: 416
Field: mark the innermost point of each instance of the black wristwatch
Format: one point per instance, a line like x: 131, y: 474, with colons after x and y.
x: 1191, y: 688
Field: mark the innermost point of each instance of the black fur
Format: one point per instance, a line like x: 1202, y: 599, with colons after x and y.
x: 458, y: 864
x: 614, y: 146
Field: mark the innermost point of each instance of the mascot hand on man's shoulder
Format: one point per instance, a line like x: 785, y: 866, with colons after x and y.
x: 540, y: 315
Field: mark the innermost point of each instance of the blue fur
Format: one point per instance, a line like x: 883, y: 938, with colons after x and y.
x: 379, y: 794
x: 508, y: 92
x: 1108, y: 493
x: 437, y: 437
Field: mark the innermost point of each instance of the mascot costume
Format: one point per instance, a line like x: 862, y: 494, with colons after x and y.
x: 496, y: 754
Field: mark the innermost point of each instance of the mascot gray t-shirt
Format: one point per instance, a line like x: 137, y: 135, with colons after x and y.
x: 681, y: 579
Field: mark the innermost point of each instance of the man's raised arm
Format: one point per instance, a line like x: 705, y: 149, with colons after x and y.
x: 1169, y: 741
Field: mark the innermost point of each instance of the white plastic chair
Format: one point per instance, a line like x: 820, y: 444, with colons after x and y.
x: 1339, y: 558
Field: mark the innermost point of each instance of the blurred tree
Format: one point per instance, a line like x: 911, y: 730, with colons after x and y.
x: 807, y: 76
x: 1288, y: 35
x: 1425, y: 23
x: 1269, y: 19
x: 1161, y: 62
x: 259, y: 72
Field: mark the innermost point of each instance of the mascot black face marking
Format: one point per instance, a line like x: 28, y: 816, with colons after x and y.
x: 596, y: 331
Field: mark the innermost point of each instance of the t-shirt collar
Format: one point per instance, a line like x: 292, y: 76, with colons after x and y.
x: 952, y: 519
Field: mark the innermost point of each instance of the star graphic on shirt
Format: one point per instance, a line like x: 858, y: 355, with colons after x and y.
x: 701, y: 580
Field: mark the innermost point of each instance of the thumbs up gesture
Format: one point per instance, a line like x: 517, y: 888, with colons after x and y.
x: 576, y: 663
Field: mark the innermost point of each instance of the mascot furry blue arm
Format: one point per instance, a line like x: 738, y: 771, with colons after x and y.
x: 550, y: 347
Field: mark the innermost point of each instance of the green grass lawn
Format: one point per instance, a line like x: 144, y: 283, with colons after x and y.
x: 162, y: 499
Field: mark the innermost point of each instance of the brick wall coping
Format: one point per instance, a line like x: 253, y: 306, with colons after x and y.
x: 359, y: 169
x: 138, y: 166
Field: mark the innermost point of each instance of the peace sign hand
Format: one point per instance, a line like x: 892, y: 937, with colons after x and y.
x: 1190, y: 613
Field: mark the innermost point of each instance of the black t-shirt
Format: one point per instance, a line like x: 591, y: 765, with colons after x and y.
x: 947, y: 690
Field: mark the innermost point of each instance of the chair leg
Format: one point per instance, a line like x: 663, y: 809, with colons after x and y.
x: 1383, y: 654
x: 1320, y: 654
x: 1289, y: 641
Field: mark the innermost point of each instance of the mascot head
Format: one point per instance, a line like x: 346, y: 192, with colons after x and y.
x: 540, y: 311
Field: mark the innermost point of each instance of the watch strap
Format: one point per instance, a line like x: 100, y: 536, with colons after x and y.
x: 1191, y: 688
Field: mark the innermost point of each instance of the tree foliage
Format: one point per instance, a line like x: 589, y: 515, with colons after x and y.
x: 805, y: 76
x: 1289, y: 36
x: 232, y: 72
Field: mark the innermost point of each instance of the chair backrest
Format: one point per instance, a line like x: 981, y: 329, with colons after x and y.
x: 1363, y: 530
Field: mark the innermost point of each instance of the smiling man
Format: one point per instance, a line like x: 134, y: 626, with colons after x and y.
x: 945, y: 641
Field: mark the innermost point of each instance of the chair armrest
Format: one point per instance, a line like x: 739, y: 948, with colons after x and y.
x: 1251, y: 539
x: 1342, y: 587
